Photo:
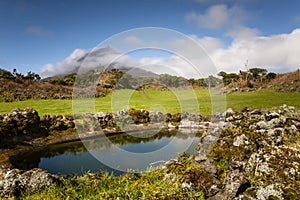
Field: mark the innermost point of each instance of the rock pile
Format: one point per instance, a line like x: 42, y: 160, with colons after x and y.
x: 20, y: 122
x: 57, y: 122
x: 252, y: 154
x: 25, y: 124
x: 16, y: 182
x: 18, y: 126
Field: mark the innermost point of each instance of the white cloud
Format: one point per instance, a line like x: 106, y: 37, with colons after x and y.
x: 37, y: 31
x: 208, y: 43
x: 242, y: 32
x: 215, y: 17
x: 84, y: 60
x: 278, y: 53
x: 218, y: 16
x: 229, y: 19
x: 69, y: 64
x: 133, y: 41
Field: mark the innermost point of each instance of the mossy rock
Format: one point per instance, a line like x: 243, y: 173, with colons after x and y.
x: 139, y: 116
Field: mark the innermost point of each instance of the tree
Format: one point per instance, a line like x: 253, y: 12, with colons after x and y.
x: 212, y: 81
x: 201, y: 82
x: 222, y: 73
x: 4, y: 74
x: 31, y: 76
x: 192, y: 82
x: 57, y: 81
x: 244, y: 75
x: 271, y: 76
x: 257, y: 73
x: 228, y: 78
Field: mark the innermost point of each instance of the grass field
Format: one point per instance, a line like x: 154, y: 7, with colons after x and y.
x: 165, y: 101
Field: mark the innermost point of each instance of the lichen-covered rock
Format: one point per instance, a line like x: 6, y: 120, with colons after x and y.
x: 18, y: 126
x: 156, y: 117
x: 256, y: 155
x: 20, y: 122
x: 235, y: 182
x: 87, y: 123
x: 57, y: 122
x: 17, y: 182
x: 267, y: 192
x: 173, y: 120
x: 189, y: 124
x: 25, y: 124
x: 139, y: 116
x: 105, y: 119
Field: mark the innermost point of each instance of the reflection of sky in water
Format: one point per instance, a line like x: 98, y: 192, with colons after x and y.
x: 145, y: 147
x: 69, y: 163
x: 116, y: 156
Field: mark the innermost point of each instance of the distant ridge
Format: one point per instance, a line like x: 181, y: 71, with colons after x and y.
x: 137, y: 72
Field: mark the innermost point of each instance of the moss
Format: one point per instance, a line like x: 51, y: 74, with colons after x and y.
x: 139, y: 116
x: 186, y: 170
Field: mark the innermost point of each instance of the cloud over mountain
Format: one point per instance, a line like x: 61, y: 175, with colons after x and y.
x: 85, y: 60
x: 279, y: 53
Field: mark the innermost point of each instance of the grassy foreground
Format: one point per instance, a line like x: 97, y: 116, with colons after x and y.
x: 155, y: 183
x: 166, y: 101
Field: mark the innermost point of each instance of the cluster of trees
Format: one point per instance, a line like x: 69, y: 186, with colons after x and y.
x: 210, y: 81
x: 172, y: 81
x: 128, y: 81
x: 116, y: 78
x: 68, y: 80
x: 19, y: 77
x: 254, y: 74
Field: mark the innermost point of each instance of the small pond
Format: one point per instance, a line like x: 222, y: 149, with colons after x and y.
x: 116, y: 154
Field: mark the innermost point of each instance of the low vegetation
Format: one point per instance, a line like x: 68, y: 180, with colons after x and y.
x: 157, y: 183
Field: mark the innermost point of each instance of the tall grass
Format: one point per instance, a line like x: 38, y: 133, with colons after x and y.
x: 152, y: 184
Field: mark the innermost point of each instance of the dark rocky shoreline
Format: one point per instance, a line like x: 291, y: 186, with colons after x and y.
x: 251, y: 154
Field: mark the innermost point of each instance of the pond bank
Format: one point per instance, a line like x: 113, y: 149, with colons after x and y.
x: 252, y: 154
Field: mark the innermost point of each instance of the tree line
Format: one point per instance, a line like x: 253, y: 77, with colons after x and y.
x: 19, y: 77
x: 253, y: 74
x: 115, y: 77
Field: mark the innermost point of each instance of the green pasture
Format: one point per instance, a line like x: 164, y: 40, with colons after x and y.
x: 199, y: 100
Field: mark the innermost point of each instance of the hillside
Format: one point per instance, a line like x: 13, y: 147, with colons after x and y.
x: 288, y: 82
x: 18, y: 87
x: 14, y: 91
x: 251, y: 81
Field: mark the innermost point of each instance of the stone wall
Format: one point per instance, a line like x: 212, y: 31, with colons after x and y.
x: 25, y: 124
x: 251, y: 154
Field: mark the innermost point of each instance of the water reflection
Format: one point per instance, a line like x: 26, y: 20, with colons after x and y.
x: 74, y: 157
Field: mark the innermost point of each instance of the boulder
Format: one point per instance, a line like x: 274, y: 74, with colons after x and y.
x: 256, y: 149
x: 17, y: 182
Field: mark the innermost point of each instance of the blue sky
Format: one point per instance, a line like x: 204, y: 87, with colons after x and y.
x: 37, y: 33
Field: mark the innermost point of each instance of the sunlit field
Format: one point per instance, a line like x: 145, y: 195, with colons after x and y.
x: 199, y: 100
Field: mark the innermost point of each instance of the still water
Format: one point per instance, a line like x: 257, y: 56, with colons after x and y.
x: 116, y: 154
